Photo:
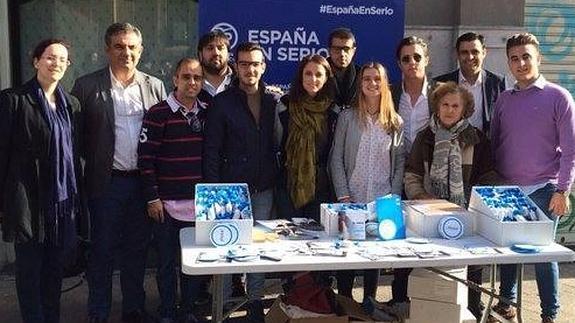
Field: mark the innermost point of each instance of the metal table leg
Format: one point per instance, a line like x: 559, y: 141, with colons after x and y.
x: 519, y: 292
x: 492, y: 279
x: 218, y: 298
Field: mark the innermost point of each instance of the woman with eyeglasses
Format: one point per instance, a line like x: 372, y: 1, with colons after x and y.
x: 307, y: 117
x: 368, y: 156
x: 39, y: 187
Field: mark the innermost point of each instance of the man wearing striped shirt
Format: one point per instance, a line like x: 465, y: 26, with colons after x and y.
x: 170, y: 159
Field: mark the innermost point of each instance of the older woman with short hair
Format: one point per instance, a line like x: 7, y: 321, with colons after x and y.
x: 448, y: 158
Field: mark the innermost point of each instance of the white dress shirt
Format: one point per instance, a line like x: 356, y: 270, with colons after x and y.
x: 476, y: 89
x: 212, y: 90
x: 128, y: 116
x: 415, y: 117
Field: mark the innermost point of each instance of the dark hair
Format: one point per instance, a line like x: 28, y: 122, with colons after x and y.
x: 522, y: 39
x: 185, y: 60
x: 297, y: 92
x: 120, y: 28
x: 45, y: 43
x: 470, y: 36
x: 342, y: 33
x: 411, y: 40
x: 443, y: 89
x: 211, y: 36
x: 249, y: 47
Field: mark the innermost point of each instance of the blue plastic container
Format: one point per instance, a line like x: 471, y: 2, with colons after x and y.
x: 389, y: 208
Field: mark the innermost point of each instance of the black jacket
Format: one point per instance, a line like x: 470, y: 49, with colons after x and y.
x: 492, y: 86
x: 236, y: 149
x: 25, y: 164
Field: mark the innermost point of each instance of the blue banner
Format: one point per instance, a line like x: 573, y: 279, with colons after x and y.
x: 289, y: 30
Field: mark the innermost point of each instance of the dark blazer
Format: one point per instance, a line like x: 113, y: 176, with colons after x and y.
x: 94, y: 91
x: 493, y: 85
x: 25, y: 163
x: 236, y: 149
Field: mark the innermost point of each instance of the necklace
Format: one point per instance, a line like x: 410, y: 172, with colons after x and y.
x: 372, y: 113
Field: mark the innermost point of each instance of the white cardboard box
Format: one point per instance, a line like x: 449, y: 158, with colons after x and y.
x: 203, y: 228
x: 423, y: 216
x: 541, y: 232
x: 424, y: 311
x: 427, y: 285
x: 329, y: 217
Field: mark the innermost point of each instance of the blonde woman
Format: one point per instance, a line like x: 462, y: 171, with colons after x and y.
x: 368, y: 155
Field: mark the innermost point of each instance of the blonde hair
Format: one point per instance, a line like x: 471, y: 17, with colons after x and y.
x: 388, y: 117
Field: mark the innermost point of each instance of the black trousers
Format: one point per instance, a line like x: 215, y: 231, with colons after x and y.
x: 39, y: 269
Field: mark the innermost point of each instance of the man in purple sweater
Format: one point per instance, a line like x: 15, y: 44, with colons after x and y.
x: 533, y: 137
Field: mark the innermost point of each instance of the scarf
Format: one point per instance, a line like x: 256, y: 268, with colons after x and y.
x: 307, y: 121
x: 345, y: 84
x: 446, y: 173
x: 59, y: 184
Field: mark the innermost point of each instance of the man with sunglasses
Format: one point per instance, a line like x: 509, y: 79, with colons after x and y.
x: 239, y: 148
x: 483, y: 84
x: 342, y: 48
x: 170, y: 160
x: 410, y: 95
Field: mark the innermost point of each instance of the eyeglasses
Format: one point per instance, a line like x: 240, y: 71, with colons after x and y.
x: 55, y: 59
x: 407, y: 58
x: 345, y: 49
x: 245, y: 64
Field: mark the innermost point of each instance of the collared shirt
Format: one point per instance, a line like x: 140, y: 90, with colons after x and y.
x: 533, y: 135
x: 371, y: 175
x: 415, y: 117
x: 128, y: 115
x: 212, y: 90
x: 476, y: 89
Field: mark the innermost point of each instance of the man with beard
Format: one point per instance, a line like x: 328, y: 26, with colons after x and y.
x: 342, y: 48
x: 483, y: 84
x: 239, y: 148
x: 213, y: 52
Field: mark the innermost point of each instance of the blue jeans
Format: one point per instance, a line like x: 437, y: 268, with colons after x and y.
x: 38, y: 281
x: 121, y: 230
x: 546, y: 274
x: 167, y: 239
x: 261, y: 209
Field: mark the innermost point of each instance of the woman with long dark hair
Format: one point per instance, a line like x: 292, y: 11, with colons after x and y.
x: 307, y: 116
x: 38, y: 180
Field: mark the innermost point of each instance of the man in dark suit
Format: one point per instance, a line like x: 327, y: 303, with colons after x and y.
x: 483, y: 84
x: 113, y: 102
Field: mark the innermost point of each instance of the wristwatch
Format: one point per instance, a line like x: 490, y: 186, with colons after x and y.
x: 563, y: 192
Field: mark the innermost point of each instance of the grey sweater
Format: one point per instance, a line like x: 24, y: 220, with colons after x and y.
x: 344, y: 153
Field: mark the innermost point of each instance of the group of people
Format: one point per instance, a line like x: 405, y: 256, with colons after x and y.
x: 122, y: 156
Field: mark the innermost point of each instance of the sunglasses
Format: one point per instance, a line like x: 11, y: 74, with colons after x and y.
x: 407, y: 58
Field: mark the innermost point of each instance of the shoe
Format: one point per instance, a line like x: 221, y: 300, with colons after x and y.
x: 506, y: 311
x: 399, y: 309
x: 255, y: 311
x: 97, y: 320
x: 189, y: 318
x: 167, y: 320
x: 137, y: 316
x: 547, y: 319
x: 203, y: 299
x: 371, y: 308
